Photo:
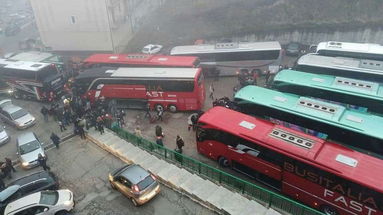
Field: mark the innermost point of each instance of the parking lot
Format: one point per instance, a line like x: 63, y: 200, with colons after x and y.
x: 83, y: 168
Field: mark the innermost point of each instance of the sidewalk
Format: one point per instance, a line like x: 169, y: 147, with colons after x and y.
x: 211, y: 195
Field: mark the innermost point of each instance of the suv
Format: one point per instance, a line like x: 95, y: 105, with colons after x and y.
x: 135, y: 183
x: 46, y: 202
x: 28, y: 149
x: 35, y: 182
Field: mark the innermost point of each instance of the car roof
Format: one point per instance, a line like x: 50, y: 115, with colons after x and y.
x: 7, y: 192
x: 25, y: 138
x: 135, y: 173
x: 11, y: 108
x: 31, y: 177
x: 31, y: 199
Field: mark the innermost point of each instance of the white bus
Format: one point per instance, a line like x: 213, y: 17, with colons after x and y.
x: 355, y: 50
x: 235, y: 54
x: 362, y: 69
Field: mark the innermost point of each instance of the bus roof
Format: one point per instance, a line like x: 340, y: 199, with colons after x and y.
x: 348, y: 86
x: 226, y: 47
x: 141, y: 73
x: 23, y: 65
x: 142, y: 59
x: 336, y: 115
x: 368, y: 48
x: 332, y: 157
x: 33, y: 56
x: 342, y: 63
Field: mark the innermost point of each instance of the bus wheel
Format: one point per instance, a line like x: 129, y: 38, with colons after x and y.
x: 328, y: 210
x: 223, y: 162
x: 172, y: 108
x: 158, y: 107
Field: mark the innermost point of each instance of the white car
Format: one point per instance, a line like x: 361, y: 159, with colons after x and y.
x: 151, y: 49
x: 28, y: 148
x: 4, y: 138
x: 58, y: 202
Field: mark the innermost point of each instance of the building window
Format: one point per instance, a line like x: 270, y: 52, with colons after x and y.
x: 73, y: 19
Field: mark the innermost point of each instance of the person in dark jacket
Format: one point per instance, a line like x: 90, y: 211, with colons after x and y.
x: 44, y: 111
x: 43, y: 162
x: 180, y: 143
x: 55, y: 139
x: 9, y: 163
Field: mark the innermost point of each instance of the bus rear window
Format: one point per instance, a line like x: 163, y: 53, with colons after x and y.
x: 46, y: 72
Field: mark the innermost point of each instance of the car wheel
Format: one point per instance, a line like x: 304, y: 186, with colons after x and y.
x: 62, y: 213
x: 223, y: 162
x: 134, y: 202
x: 328, y: 210
x: 172, y: 108
x: 158, y: 107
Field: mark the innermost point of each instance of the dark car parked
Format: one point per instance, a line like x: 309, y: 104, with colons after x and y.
x: 32, y: 183
x: 293, y: 49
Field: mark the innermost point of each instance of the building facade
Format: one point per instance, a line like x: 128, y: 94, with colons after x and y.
x: 90, y: 25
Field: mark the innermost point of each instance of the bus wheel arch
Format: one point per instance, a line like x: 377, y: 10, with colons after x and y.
x: 328, y: 210
x: 158, y: 107
x: 172, y: 108
x: 223, y: 162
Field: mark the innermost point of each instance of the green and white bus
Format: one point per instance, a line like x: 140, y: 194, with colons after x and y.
x: 349, y: 127
x: 371, y: 70
x: 353, y: 93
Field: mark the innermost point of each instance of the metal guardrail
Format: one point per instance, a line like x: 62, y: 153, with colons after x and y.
x: 269, y: 198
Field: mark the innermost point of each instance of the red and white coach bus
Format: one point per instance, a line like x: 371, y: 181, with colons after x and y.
x: 167, y: 88
x: 324, y: 175
x: 140, y: 60
x: 33, y: 80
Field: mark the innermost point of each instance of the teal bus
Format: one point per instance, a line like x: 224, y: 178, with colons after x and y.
x: 363, y: 69
x: 349, y: 127
x: 353, y: 93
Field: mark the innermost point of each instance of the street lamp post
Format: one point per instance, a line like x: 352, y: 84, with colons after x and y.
x: 110, y: 29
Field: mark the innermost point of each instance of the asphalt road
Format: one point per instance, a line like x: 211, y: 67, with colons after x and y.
x: 83, y: 168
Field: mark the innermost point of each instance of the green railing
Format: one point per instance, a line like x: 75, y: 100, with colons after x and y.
x: 270, y: 199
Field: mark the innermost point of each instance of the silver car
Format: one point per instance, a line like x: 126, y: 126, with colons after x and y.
x: 135, y: 182
x: 28, y: 149
x: 15, y: 115
x: 4, y: 138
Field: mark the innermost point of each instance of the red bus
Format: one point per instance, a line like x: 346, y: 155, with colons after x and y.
x: 140, y: 60
x: 327, y: 176
x: 163, y: 88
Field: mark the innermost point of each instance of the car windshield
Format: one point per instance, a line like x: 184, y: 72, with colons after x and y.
x: 18, y: 114
x: 293, y: 46
x: 49, y: 197
x: 6, y: 193
x: 29, y: 147
x: 5, y: 103
x: 145, y: 183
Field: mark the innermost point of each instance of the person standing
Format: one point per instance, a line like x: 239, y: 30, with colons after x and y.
x: 55, y: 139
x: 137, y: 131
x: 43, y: 162
x: 180, y: 143
x: 211, y: 90
x: 62, y: 126
x: 9, y: 163
x: 159, y: 141
x: 100, y: 124
x: 159, y: 132
x: 44, y: 111
x: 147, y: 113
x: 160, y: 112
x: 81, y: 132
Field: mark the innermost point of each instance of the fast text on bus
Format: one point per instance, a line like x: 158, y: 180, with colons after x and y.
x: 353, y: 93
x: 323, y: 175
x: 349, y: 127
x: 140, y: 60
x: 353, y: 50
x: 163, y: 88
x: 371, y: 70
x: 40, y: 81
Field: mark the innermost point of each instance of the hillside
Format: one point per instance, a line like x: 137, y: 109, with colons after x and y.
x: 183, y: 21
